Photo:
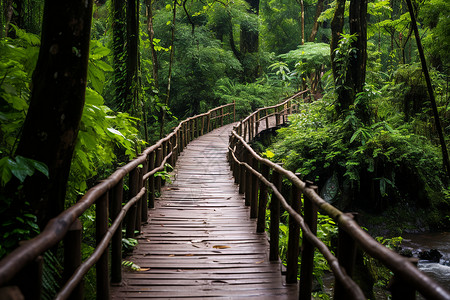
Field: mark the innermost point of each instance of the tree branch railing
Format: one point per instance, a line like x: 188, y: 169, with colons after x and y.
x: 256, y: 176
x: 21, y: 270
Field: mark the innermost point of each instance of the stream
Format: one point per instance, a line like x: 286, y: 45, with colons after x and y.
x: 426, y: 241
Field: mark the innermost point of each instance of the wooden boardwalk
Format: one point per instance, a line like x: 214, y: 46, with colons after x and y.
x: 199, y: 241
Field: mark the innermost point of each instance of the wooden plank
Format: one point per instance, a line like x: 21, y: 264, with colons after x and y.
x: 199, y: 241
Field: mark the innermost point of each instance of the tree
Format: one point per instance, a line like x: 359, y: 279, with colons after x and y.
x: 315, y: 28
x: 56, y: 104
x: 350, y: 72
x: 171, y: 60
x: 249, y: 44
x: 445, y: 159
x: 118, y: 48
x: 131, y: 102
x: 151, y: 35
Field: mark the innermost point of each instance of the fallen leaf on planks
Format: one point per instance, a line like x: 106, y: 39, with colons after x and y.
x: 259, y: 262
x: 220, y: 247
x: 143, y: 269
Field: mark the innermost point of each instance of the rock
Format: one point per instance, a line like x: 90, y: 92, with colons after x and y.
x: 432, y: 255
x: 406, y: 252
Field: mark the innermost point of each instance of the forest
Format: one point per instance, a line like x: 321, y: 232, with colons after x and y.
x: 85, y: 86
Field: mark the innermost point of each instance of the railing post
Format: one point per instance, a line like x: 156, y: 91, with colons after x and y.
x: 139, y: 202
x: 158, y: 162
x: 116, y: 242
x: 203, y: 125
x: 261, y: 223
x: 208, y: 121
x: 307, y: 263
x: 151, y: 180
x: 101, y: 268
x: 171, y: 148
x: 192, y: 129
x: 174, y: 150
x: 72, y: 257
x: 196, y: 128
x: 245, y: 129
x: 242, y: 157
x: 144, y: 200
x: 236, y: 166
x: 254, y: 197
x: 277, y: 117
x: 267, y: 118
x: 234, y: 111
x: 11, y: 293
x: 133, y: 185
x: 402, y: 289
x: 256, y: 123
x: 346, y: 255
x: 29, y: 279
x: 248, y: 179
x: 221, y: 116
x: 294, y: 236
x: 185, y: 134
x: 164, y: 147
x: 275, y: 219
x: 182, y: 135
x: 251, y: 130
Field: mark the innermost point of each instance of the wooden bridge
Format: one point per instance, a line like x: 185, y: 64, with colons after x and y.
x: 200, y: 240
x: 204, y: 236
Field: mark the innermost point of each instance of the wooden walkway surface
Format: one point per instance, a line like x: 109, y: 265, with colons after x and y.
x: 199, y: 241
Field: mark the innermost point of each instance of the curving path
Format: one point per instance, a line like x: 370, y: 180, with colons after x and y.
x: 199, y: 241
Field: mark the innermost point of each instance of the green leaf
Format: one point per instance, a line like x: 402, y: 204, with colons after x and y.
x: 22, y: 168
x: 40, y: 166
x: 5, y: 170
x: 94, y: 98
x: 104, y: 66
x: 116, y: 132
x: 355, y: 135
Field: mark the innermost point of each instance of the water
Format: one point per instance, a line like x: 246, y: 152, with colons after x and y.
x: 425, y: 242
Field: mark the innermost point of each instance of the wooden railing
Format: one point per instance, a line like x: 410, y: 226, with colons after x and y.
x: 257, y: 175
x: 21, y: 270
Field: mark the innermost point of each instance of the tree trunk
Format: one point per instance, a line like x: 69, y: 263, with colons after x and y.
x: 8, y: 15
x: 131, y: 103
x: 18, y: 18
x: 302, y: 21
x: 249, y: 43
x: 169, y: 77
x: 319, y: 9
x: 119, y: 51
x: 337, y: 27
x: 151, y: 34
x: 357, y: 68
x: 445, y: 159
x: 56, y: 105
x: 358, y: 26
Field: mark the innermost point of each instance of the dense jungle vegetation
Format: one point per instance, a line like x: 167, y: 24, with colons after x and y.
x: 367, y: 134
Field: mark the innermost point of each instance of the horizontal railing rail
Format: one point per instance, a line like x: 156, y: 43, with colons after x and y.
x: 257, y: 175
x: 21, y: 270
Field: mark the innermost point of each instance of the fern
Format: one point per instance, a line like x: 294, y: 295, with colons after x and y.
x: 51, y: 276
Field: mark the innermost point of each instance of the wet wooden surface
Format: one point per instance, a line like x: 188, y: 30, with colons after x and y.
x: 199, y: 241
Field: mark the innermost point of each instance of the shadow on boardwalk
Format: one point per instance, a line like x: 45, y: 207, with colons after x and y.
x: 199, y: 241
